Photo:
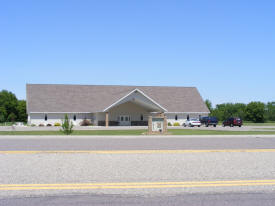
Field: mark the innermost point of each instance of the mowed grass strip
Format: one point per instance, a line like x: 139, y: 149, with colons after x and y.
x: 259, y: 124
x: 265, y: 128
x: 254, y: 124
x: 139, y: 132
x: 76, y: 132
x: 218, y: 132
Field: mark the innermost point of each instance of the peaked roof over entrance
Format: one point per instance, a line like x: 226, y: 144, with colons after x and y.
x: 58, y: 98
x: 138, y: 97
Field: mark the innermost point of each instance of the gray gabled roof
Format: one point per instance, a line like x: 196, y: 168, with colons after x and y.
x: 95, y: 98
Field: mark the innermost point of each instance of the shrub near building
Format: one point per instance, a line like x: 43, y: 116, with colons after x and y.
x: 67, y: 126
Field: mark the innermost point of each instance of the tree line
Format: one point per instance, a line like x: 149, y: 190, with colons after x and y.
x: 12, y: 109
x: 257, y: 112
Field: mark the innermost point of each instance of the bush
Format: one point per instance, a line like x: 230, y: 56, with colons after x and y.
x: 41, y: 125
x: 57, y: 124
x: 67, y: 125
x: 169, y: 124
x: 85, y: 122
x: 176, y: 124
x: 49, y: 125
x: 33, y: 125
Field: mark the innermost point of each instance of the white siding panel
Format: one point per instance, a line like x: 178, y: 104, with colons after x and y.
x: 39, y: 118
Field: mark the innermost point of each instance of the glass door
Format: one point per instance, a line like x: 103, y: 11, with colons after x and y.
x: 124, y: 120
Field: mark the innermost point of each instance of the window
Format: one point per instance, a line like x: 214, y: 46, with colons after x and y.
x: 46, y: 117
x: 121, y: 118
x: 74, y: 117
x: 176, y: 117
x: 141, y: 117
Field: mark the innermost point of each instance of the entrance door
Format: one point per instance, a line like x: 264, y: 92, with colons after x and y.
x: 124, y: 120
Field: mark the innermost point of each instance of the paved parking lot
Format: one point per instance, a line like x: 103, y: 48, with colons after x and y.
x: 219, y: 127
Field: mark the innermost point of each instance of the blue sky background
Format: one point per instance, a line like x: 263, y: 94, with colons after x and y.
x: 224, y: 48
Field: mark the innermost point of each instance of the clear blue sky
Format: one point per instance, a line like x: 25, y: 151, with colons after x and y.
x: 224, y: 48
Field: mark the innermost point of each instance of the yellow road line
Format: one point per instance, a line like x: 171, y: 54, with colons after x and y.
x: 136, y: 151
x: 142, y: 183
x: 135, y: 185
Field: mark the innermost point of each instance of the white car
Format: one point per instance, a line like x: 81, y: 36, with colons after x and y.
x: 192, y: 123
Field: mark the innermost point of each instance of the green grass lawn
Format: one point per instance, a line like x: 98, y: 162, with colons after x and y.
x: 139, y: 132
x: 218, y: 132
x: 76, y: 132
x: 255, y: 124
x: 265, y: 128
x: 259, y: 124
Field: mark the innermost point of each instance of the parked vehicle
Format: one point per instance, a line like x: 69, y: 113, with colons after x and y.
x: 233, y: 121
x: 209, y: 121
x: 192, y: 123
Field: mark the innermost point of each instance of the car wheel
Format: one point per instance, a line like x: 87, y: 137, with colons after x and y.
x: 215, y: 125
x: 199, y: 126
x: 206, y: 125
x: 184, y: 125
x: 240, y: 125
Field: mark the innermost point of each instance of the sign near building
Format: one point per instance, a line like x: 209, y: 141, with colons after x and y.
x: 157, y: 124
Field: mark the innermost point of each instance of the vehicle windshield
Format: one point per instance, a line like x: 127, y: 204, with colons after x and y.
x: 194, y: 119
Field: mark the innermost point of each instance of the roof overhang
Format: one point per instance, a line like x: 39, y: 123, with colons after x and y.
x: 140, y: 98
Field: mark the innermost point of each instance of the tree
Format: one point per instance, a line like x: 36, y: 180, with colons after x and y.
x: 3, y: 114
x: 209, y: 105
x: 11, y: 117
x: 67, y: 125
x: 270, y: 111
x: 21, y: 111
x: 255, y: 111
x: 12, y: 109
x: 9, y: 101
x: 224, y: 111
x: 239, y: 110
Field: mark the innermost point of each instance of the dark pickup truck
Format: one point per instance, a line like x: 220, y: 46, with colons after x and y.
x: 209, y: 121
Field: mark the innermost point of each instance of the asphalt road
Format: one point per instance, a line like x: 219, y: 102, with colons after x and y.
x: 240, y: 199
x: 214, y: 171
x: 138, y: 143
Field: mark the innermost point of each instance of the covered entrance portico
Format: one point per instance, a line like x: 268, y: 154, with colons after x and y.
x: 132, y: 110
x: 124, y: 120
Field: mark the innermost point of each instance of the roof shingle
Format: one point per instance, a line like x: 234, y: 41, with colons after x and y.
x: 95, y: 98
